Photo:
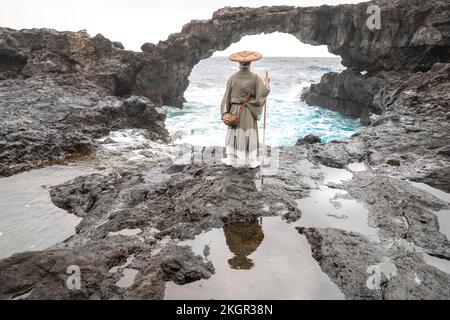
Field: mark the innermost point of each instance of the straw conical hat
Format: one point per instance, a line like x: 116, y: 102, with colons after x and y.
x: 245, y: 56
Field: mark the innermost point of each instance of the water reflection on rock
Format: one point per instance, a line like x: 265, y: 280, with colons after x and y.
x: 243, y: 238
x: 282, y: 266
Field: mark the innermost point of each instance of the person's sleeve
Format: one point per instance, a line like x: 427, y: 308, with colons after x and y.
x: 256, y: 105
x: 263, y: 91
x: 226, y: 101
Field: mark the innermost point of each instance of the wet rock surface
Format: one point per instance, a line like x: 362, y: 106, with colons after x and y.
x: 353, y: 93
x: 181, y: 266
x: 376, y: 272
x: 143, y: 213
x: 409, y: 139
x: 76, y: 61
x: 308, y: 139
x: 402, y: 211
x: 43, y: 122
x: 177, y: 204
x: 172, y: 206
x: 406, y: 142
x: 55, y: 88
x: 46, y: 275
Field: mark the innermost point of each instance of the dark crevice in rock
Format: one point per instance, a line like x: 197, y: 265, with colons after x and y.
x: 440, y: 256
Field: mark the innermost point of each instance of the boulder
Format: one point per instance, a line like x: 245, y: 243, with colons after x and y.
x: 308, y: 139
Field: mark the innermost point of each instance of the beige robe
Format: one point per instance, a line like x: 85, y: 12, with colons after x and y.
x: 243, y: 140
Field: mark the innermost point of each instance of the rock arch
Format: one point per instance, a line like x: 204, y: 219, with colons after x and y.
x: 414, y: 35
x: 199, y: 39
x: 342, y: 28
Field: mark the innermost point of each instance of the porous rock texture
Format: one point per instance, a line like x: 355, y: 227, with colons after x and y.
x: 165, y: 204
x: 403, y: 98
x: 411, y: 133
x: 159, y: 203
x: 43, y: 122
x: 413, y: 36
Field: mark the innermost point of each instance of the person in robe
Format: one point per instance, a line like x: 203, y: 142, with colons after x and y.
x: 243, y: 238
x: 242, y: 141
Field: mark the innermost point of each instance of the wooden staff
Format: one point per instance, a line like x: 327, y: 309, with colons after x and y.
x: 266, y: 82
x: 266, y: 79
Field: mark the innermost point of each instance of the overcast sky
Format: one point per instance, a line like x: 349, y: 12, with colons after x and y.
x: 134, y: 22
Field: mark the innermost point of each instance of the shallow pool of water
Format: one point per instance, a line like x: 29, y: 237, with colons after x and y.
x: 268, y: 258
x: 260, y: 259
x: 29, y: 220
x: 443, y: 216
x: 334, y: 208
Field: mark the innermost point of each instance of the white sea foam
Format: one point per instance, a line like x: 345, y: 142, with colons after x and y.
x: 288, y: 118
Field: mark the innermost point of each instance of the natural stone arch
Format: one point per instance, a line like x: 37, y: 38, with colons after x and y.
x: 342, y: 28
x: 199, y: 39
x: 414, y: 35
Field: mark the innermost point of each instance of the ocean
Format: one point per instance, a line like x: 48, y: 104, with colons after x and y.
x: 288, y: 118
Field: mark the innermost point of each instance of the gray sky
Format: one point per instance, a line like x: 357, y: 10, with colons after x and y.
x: 134, y: 22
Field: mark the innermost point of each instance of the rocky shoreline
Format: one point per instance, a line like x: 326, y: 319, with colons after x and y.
x: 133, y: 216
x: 415, y: 36
x: 138, y: 213
x: 45, y: 123
x: 411, y: 134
